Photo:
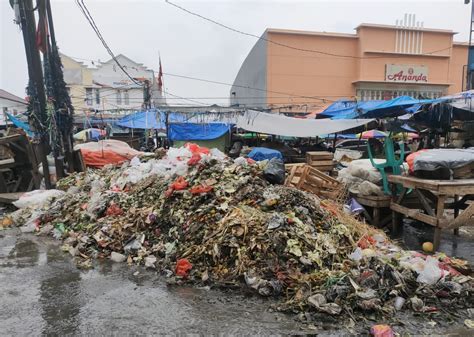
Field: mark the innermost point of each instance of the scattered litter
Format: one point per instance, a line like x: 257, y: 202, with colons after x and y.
x: 212, y: 221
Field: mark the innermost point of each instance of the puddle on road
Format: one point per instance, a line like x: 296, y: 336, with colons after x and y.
x: 44, y: 293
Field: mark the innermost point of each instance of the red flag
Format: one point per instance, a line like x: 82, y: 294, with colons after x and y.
x: 42, y: 34
x: 160, y: 78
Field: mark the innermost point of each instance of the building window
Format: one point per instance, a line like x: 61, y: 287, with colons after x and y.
x: 97, y: 96
x: 119, y: 97
x: 89, y: 96
x: 125, y: 97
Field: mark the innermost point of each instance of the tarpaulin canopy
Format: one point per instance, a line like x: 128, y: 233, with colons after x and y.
x: 149, y: 119
x: 274, y: 124
x: 194, y: 131
x: 345, y: 109
x: 20, y: 124
x: 263, y: 153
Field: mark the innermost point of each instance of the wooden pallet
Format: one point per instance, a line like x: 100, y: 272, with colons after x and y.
x: 310, y: 179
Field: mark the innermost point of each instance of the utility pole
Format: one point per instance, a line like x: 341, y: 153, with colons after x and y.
x: 470, y: 53
x: 64, y: 106
x: 36, y: 92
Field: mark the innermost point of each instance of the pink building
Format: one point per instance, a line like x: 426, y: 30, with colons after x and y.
x: 283, y: 69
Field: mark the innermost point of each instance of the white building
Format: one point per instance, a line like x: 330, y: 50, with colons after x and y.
x: 12, y: 104
x: 106, y: 87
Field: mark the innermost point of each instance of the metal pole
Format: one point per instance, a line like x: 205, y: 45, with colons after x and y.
x: 470, y: 55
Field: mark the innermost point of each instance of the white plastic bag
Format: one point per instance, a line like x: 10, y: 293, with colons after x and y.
x: 37, y: 198
x: 431, y: 273
x: 241, y: 161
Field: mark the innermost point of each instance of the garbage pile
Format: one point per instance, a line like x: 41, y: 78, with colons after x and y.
x: 197, y: 216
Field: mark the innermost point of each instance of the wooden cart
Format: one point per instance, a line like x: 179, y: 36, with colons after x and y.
x: 433, y: 201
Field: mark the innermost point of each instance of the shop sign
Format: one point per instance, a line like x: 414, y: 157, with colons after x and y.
x: 406, y: 73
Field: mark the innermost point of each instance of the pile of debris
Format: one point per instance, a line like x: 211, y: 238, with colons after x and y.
x: 197, y: 216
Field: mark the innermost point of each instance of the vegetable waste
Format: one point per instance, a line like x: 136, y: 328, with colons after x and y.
x: 199, y: 217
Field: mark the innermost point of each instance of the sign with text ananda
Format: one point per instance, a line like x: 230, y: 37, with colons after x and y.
x: 406, y: 73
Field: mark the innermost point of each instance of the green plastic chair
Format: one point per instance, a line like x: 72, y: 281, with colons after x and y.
x: 391, y: 165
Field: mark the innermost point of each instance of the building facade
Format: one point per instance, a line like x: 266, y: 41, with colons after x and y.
x: 306, y: 70
x: 11, y: 104
x: 105, y: 87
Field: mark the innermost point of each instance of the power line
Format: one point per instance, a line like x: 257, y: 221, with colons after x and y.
x: 90, y: 19
x: 85, y: 11
x: 285, y: 45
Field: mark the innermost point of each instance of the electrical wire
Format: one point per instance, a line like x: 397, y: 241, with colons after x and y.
x: 285, y: 45
x: 90, y: 19
x: 85, y: 11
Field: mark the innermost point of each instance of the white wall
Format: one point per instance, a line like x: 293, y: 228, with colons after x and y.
x: 252, y: 73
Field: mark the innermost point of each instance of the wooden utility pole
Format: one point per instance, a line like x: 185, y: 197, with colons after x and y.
x: 66, y: 135
x: 36, y: 84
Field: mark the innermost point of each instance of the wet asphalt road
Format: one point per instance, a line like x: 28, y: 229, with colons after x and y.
x: 43, y: 293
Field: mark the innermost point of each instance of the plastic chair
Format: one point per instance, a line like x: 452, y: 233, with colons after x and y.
x: 392, y: 165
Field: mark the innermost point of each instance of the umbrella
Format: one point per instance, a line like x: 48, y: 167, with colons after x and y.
x: 94, y: 134
x: 372, y: 134
x: 405, y: 135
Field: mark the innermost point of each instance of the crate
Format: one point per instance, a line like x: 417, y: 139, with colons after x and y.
x: 310, y: 179
x: 321, y: 160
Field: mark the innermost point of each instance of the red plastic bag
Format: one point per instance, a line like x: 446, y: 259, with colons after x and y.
x: 179, y: 184
x: 198, y: 189
x: 196, y: 149
x: 183, y: 266
x: 250, y: 161
x: 381, y: 330
x: 366, y: 241
x: 195, y: 159
x: 113, y: 210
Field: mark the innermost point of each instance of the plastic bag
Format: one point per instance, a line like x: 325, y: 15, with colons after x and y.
x: 113, y: 210
x: 135, y: 161
x: 381, y: 330
x: 179, y: 184
x: 241, y: 161
x: 37, y: 198
x: 198, y: 189
x: 217, y: 154
x: 274, y: 172
x: 196, y: 149
x: 431, y: 273
x: 195, y: 159
x: 183, y: 266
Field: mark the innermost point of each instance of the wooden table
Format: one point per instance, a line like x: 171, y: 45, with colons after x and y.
x: 377, y: 204
x: 432, y: 196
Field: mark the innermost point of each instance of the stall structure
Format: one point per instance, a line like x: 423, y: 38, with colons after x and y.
x: 434, y: 196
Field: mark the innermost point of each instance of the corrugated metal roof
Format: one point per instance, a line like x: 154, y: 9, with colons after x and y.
x: 8, y: 96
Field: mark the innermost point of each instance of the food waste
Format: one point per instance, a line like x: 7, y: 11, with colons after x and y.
x: 198, y: 217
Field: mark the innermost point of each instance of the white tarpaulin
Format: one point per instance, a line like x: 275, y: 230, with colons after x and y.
x: 262, y: 122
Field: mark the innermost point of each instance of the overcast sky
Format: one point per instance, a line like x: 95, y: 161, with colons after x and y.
x: 193, y: 47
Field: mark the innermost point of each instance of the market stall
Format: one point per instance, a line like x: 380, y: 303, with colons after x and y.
x: 433, y: 196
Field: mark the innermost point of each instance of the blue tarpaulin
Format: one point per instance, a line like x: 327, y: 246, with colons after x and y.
x: 262, y: 153
x: 149, y: 119
x: 20, y: 124
x: 193, y: 131
x: 345, y: 109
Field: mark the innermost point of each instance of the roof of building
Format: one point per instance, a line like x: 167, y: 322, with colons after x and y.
x: 434, y: 30
x: 306, y: 32
x: 348, y: 35
x: 10, y: 97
